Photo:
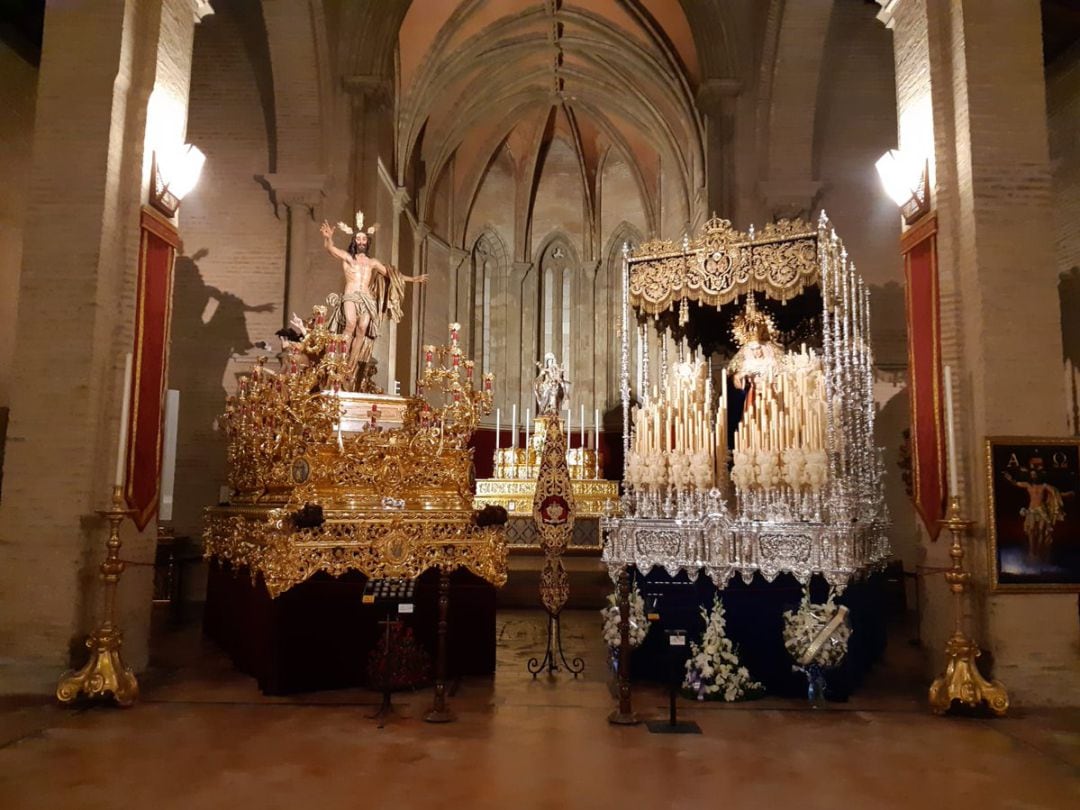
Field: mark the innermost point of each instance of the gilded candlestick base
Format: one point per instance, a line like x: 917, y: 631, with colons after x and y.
x: 963, y: 682
x: 104, y: 674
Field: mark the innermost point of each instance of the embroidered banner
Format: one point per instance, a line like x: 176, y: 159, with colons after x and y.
x: 153, y: 317
x: 919, y: 246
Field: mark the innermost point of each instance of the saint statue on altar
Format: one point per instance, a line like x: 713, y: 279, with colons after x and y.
x: 759, y: 357
x: 373, y: 291
x: 550, y: 387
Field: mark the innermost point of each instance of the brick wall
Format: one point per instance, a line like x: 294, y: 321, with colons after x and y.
x: 17, y: 95
x: 1063, y: 113
x: 230, y: 279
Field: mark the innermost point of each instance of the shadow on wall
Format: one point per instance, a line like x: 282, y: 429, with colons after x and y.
x: 888, y: 326
x: 1069, y: 298
x: 209, y: 328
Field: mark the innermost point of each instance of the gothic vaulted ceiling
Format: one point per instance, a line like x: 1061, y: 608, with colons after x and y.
x: 481, y: 78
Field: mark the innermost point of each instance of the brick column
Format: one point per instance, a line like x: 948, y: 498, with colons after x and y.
x: 971, y: 98
x: 300, y: 195
x: 99, y: 64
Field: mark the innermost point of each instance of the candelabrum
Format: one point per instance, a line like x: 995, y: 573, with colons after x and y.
x: 452, y: 399
x: 962, y: 680
x: 105, y: 673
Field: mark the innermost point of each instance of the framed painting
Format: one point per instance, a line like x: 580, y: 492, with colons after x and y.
x: 1034, y: 513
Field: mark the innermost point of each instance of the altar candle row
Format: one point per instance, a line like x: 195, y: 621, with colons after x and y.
x: 585, y: 441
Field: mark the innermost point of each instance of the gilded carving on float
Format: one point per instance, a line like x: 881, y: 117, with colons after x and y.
x: 333, y: 481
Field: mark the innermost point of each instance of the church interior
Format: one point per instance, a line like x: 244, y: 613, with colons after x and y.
x: 539, y: 403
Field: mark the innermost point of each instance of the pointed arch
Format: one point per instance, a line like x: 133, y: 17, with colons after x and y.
x: 489, y: 264
x: 558, y: 265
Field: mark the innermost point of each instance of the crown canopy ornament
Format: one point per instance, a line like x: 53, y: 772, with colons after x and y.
x: 341, y: 226
x: 750, y: 323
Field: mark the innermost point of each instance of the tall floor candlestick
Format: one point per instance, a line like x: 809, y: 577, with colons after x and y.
x: 954, y: 488
x: 106, y: 673
x: 962, y: 682
x: 125, y: 418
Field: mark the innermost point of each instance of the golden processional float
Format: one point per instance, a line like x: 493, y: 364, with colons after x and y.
x: 768, y: 466
x: 333, y: 481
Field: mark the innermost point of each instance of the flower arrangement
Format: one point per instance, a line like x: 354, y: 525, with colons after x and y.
x: 639, y: 624
x: 713, y: 671
x: 817, y: 634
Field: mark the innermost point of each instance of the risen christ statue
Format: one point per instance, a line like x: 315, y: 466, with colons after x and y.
x: 372, y: 291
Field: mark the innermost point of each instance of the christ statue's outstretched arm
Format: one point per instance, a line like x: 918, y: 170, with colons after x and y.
x: 327, y: 230
x: 380, y: 268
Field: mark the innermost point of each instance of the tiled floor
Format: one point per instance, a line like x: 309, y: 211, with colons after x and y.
x: 203, y: 737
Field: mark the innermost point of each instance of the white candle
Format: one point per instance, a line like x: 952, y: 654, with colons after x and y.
x: 498, y: 427
x: 583, y: 426
x: 513, y: 428
x: 954, y: 487
x: 596, y: 442
x: 168, y: 457
x: 125, y: 416
x: 528, y: 421
x: 569, y: 425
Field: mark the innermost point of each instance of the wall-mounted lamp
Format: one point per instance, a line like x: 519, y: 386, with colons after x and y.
x: 173, y: 173
x: 907, y: 181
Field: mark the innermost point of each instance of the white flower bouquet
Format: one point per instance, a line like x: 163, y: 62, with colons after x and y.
x: 817, y: 634
x: 713, y: 671
x: 639, y: 624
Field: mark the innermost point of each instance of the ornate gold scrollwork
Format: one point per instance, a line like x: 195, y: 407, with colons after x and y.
x: 394, y: 497
x: 722, y: 264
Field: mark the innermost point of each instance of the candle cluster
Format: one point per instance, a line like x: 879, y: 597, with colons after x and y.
x: 780, y: 442
x: 447, y: 372
x: 679, y: 439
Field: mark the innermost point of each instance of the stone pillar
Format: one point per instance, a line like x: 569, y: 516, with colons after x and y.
x: 971, y: 99
x: 521, y: 337
x: 299, y: 195
x: 717, y: 100
x: 76, y: 321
